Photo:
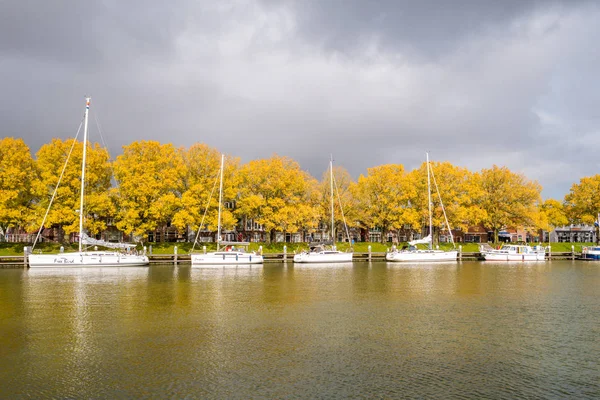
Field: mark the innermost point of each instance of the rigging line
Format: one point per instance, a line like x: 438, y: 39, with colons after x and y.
x: 57, y: 185
x: 443, y: 209
x: 205, y: 211
x: 112, y: 171
x: 342, y: 210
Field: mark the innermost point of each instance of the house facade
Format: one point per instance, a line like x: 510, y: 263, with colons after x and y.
x: 575, y: 233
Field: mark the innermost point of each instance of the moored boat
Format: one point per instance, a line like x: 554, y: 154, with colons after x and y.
x: 234, y: 253
x: 327, y: 252
x: 320, y: 253
x: 413, y: 254
x: 591, y: 253
x: 81, y: 258
x: 514, y: 252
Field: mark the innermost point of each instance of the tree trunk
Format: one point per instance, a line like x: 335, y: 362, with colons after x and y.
x: 272, y: 236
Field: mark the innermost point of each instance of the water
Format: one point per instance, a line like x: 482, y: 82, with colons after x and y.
x: 473, y: 330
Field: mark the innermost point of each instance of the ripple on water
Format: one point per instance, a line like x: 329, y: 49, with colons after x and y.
x: 468, y: 330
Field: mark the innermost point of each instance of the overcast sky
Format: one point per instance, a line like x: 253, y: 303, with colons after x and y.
x: 476, y: 83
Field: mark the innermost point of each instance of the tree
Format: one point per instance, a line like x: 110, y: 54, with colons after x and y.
x: 384, y: 198
x: 507, y: 198
x: 64, y: 212
x: 150, y: 178
x: 582, y: 203
x: 551, y: 214
x: 17, y: 172
x: 200, y: 183
x: 275, y: 193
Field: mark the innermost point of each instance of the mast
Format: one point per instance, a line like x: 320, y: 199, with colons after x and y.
x: 85, y: 129
x: 331, y: 188
x: 220, y: 202
x: 429, y: 203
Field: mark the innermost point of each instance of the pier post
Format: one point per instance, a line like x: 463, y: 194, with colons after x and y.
x: 150, y: 250
x: 260, y: 250
x: 144, y: 250
x: 572, y: 252
x: 25, y: 254
x: 460, y: 252
x: 369, y: 253
x: 284, y: 253
x: 549, y: 252
x: 175, y: 251
x: 204, y: 249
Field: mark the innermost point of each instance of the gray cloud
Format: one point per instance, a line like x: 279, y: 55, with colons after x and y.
x: 475, y: 83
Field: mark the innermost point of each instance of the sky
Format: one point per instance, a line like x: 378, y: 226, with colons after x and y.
x: 474, y: 82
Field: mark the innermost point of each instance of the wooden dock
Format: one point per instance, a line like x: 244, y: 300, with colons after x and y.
x: 19, y: 261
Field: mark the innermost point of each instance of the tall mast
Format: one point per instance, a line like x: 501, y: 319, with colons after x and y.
x: 331, y: 188
x: 220, y: 202
x: 429, y: 203
x: 85, y: 129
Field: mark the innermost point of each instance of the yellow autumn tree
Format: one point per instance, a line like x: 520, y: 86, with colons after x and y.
x: 275, y: 193
x: 582, y: 203
x: 64, y: 212
x: 507, y: 198
x: 383, y: 198
x: 17, y: 172
x: 150, y: 179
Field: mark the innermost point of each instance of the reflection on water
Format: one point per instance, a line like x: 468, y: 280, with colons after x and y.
x: 470, y: 329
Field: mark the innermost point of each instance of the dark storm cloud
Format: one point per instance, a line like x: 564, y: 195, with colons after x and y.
x: 476, y: 83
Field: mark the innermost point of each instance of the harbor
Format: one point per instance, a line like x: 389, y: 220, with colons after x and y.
x: 270, y: 258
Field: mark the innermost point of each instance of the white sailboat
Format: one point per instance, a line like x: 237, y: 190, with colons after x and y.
x: 83, y: 258
x: 234, y: 253
x: 412, y: 253
x: 322, y: 252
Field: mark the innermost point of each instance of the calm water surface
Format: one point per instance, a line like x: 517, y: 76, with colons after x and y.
x: 472, y: 330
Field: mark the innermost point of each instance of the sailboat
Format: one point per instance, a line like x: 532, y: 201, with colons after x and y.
x: 412, y: 253
x: 234, y: 253
x: 83, y: 258
x: 325, y: 252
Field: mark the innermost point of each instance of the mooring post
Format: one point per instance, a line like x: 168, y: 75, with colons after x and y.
x: 284, y: 253
x: 175, y: 251
x: 150, y: 250
x: 460, y: 252
x: 25, y: 254
x: 204, y: 249
x: 369, y: 252
x: 572, y: 252
x: 549, y: 252
x: 144, y: 250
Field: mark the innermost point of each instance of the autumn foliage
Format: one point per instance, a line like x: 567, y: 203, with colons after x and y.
x: 152, y: 184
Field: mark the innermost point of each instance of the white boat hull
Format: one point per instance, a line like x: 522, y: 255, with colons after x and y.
x: 422, y: 256
x: 323, y: 257
x: 226, y: 258
x: 513, y: 252
x: 499, y: 256
x: 86, y: 259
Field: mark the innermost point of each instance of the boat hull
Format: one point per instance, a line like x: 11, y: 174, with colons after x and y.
x: 422, y: 256
x: 86, y: 259
x: 226, y: 258
x: 328, y: 257
x: 491, y: 256
x: 590, y: 255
